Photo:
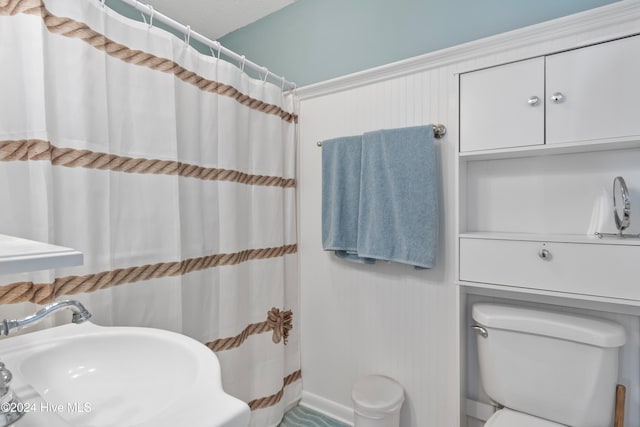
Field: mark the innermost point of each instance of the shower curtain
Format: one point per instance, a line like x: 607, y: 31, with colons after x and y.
x: 173, y: 172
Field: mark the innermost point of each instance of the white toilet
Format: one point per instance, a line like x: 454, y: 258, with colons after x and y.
x: 547, y: 369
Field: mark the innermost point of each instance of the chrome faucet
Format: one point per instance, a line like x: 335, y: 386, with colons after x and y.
x: 12, y: 408
x: 80, y: 314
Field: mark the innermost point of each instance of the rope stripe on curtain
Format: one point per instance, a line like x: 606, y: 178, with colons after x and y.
x: 174, y: 174
x: 70, y: 28
x: 43, y: 150
x: 45, y: 293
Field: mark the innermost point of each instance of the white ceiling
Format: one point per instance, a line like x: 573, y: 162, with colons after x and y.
x: 215, y: 18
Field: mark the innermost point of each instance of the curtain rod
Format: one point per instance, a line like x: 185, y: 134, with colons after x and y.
x: 213, y: 44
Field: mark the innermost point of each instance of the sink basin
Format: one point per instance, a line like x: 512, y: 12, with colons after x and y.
x: 126, y: 367
x: 92, y: 376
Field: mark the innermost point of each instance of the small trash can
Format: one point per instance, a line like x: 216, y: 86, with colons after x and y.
x: 377, y: 401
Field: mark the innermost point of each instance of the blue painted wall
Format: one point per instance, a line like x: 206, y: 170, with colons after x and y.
x: 315, y: 40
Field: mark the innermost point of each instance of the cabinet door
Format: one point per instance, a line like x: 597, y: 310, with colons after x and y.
x: 600, y: 93
x: 498, y: 107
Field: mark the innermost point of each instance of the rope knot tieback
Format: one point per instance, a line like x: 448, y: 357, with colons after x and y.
x: 281, y: 322
x: 278, y: 321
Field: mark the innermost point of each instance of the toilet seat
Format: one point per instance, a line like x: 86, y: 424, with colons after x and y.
x: 508, y: 418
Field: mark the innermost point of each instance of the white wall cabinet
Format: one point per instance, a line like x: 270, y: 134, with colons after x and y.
x: 600, y: 90
x: 502, y: 106
x: 543, y: 139
x: 581, y: 95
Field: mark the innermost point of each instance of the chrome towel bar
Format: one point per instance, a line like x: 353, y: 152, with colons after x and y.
x: 439, y: 130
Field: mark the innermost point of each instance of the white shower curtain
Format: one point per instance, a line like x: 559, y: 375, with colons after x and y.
x: 172, y: 172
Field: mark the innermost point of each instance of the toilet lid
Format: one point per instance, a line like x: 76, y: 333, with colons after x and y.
x: 508, y: 418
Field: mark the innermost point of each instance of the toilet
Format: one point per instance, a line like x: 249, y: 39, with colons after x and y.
x: 547, y: 369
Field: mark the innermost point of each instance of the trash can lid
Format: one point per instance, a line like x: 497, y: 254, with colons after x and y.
x: 377, y: 393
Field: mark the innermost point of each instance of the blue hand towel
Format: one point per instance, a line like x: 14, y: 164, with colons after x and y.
x: 398, y: 208
x: 341, y: 158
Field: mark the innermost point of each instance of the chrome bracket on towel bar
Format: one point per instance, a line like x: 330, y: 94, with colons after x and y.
x: 439, y: 131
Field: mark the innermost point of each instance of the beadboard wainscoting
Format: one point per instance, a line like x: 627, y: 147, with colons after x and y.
x: 388, y: 318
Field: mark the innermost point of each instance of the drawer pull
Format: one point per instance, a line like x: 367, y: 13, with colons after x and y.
x: 544, y: 254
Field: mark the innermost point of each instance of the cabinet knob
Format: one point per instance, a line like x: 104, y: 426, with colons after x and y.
x: 533, y: 101
x: 557, y: 98
x: 544, y: 254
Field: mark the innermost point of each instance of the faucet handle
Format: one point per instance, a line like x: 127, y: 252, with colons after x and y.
x: 11, y: 407
x: 5, y: 375
x: 5, y: 379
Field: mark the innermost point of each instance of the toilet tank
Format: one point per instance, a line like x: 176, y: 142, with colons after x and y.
x: 556, y: 366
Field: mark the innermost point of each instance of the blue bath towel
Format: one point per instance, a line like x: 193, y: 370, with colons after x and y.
x: 341, y: 158
x: 398, y: 206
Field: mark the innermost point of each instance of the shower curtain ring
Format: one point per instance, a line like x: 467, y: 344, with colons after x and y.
x: 283, y: 82
x: 187, y: 36
x: 103, y: 3
x: 218, y: 46
x: 266, y: 74
x: 244, y: 60
x: 151, y: 15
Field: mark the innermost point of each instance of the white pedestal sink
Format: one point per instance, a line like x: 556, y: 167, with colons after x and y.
x: 92, y: 376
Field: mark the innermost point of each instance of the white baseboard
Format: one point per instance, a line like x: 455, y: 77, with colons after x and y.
x: 339, y: 412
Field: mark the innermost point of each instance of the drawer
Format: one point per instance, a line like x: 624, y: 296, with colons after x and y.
x: 579, y: 268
